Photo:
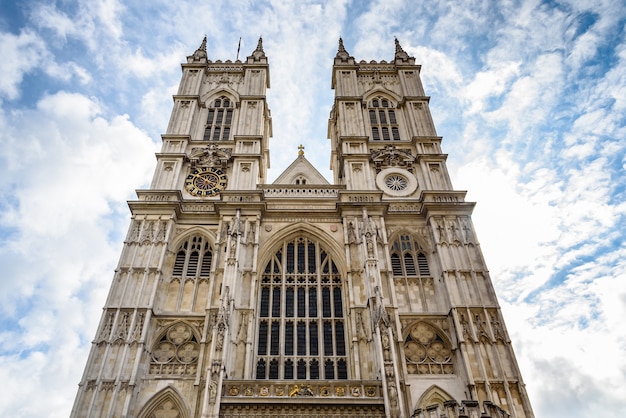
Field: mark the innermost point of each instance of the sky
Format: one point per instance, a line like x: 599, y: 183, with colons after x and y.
x: 529, y: 97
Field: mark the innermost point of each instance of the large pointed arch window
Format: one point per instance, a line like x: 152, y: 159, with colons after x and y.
x: 301, y: 328
x: 219, y: 120
x: 383, y: 120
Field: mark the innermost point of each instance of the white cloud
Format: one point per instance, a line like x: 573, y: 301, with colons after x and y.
x: 488, y: 84
x: 74, y: 170
x: 531, y: 111
x: 20, y: 54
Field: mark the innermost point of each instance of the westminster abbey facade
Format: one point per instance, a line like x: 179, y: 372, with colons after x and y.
x: 236, y: 297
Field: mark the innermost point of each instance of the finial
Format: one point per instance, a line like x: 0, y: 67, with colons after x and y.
x: 341, y: 47
x: 300, y: 150
x: 398, y: 47
x: 258, y: 53
x: 342, y: 54
x: 200, y: 54
x: 401, y: 55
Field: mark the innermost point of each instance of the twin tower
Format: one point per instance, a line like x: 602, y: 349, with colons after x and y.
x: 367, y: 297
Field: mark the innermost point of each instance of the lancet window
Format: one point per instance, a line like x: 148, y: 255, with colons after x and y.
x: 193, y: 258
x: 301, y: 326
x: 219, y: 120
x: 188, y: 287
x: 408, y: 259
x: 383, y: 120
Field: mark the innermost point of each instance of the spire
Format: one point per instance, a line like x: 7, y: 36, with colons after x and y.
x: 342, y: 54
x: 258, y: 53
x: 401, y: 55
x: 341, y: 47
x: 200, y: 55
x: 398, y: 46
x: 259, y: 45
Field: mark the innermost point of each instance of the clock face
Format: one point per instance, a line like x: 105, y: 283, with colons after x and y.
x: 205, y: 182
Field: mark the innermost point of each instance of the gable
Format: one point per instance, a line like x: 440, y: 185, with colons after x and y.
x: 301, y: 172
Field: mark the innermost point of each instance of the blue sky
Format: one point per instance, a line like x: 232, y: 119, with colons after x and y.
x: 529, y: 96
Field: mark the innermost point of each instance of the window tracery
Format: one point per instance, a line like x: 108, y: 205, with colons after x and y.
x: 188, y: 287
x: 405, y: 251
x: 176, y: 352
x: 301, y: 332
x: 427, y: 351
x: 383, y: 120
x: 193, y: 258
x: 219, y: 120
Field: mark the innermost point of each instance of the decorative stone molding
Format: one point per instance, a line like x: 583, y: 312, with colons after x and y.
x: 391, y: 156
x: 396, y: 182
x: 310, y: 389
x: 209, y: 156
x: 404, y: 207
x: 288, y: 192
x: 302, y: 410
x: 198, y: 207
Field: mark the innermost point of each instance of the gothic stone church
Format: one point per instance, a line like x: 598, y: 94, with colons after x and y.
x: 367, y: 297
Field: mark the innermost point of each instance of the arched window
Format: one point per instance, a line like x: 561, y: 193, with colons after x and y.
x: 219, y: 120
x: 189, y: 285
x: 383, y: 121
x: 193, y: 259
x: 408, y: 259
x: 301, y: 331
x: 176, y: 352
x: 427, y: 351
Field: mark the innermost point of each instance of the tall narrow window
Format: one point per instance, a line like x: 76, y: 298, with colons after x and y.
x: 301, y: 333
x: 408, y: 259
x: 383, y: 120
x: 219, y: 120
x: 193, y: 258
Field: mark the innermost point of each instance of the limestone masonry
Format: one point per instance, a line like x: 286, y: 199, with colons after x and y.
x: 368, y: 297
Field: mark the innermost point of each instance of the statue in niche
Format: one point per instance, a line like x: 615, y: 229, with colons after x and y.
x: 243, y: 328
x: 497, y: 329
x: 352, y: 238
x: 212, y: 392
x: 464, y: 327
x: 480, y: 328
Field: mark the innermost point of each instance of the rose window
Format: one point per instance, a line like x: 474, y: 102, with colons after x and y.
x: 396, y: 182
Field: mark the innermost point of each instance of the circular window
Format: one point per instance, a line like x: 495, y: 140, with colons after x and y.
x: 396, y: 182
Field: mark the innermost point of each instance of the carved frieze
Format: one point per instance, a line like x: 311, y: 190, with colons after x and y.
x: 210, y: 156
x: 391, y: 156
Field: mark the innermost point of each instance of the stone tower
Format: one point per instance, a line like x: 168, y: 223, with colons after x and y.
x: 238, y: 298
